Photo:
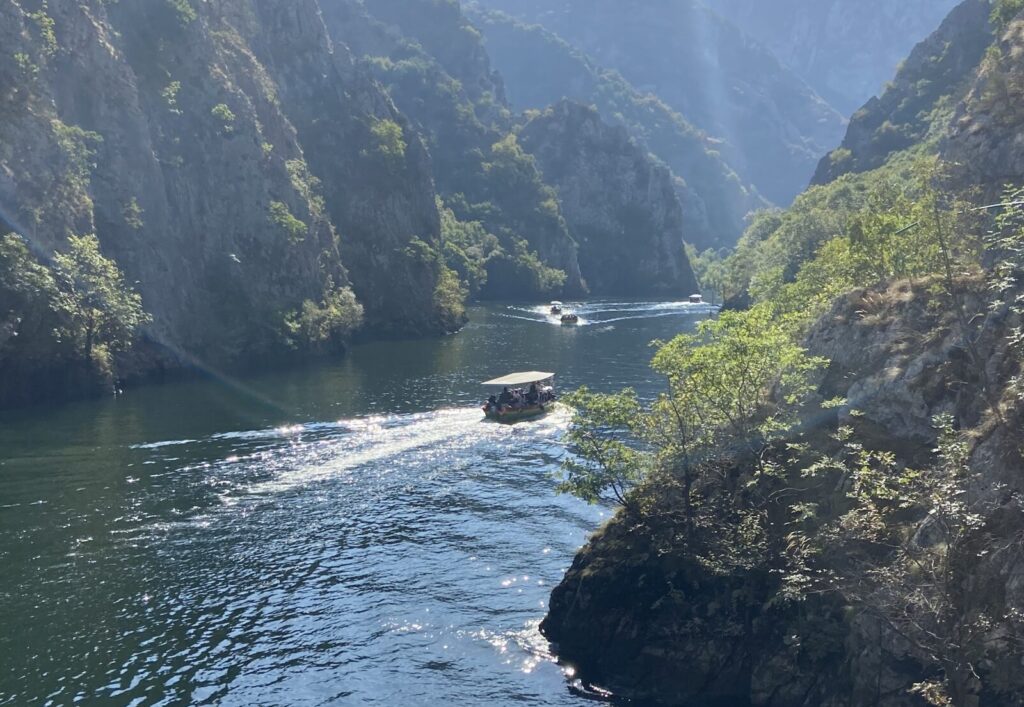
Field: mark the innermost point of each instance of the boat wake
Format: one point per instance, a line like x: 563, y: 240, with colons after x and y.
x: 604, y: 313
x: 292, y: 458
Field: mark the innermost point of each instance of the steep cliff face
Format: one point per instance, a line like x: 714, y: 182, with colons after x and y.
x: 634, y: 615
x: 711, y: 73
x: 540, y: 69
x: 916, y: 108
x: 466, y: 125
x: 845, y: 50
x: 620, y: 206
x: 192, y: 139
x: 986, y: 137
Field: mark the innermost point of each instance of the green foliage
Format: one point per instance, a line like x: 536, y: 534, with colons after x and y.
x: 307, y: 185
x: 170, y: 95
x: 1006, y: 274
x: 450, y: 296
x: 225, y: 118
x: 721, y: 381
x: 78, y: 147
x: 390, y: 141
x: 326, y: 325
x: 466, y: 246
x: 602, y: 461
x: 132, y: 214
x: 29, y: 70
x: 858, y: 231
x: 293, y: 229
x: 45, y: 28
x: 101, y: 311
x: 915, y: 583
x: 709, y: 267
x: 184, y: 11
x: 24, y: 282
x: 1003, y: 12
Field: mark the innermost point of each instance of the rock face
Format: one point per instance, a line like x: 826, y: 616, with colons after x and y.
x: 206, y: 167
x: 714, y: 75
x: 634, y: 616
x: 433, y: 65
x: 845, y: 50
x: 917, y: 106
x: 540, y: 69
x: 620, y: 206
x: 987, y: 137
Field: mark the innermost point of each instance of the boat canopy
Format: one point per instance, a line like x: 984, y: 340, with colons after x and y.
x: 556, y: 303
x: 524, y: 378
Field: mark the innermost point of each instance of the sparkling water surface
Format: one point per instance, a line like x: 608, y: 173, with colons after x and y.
x: 351, y: 533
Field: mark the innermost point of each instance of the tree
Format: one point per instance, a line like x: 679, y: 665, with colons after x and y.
x: 733, y: 390
x: 327, y: 324
x: 910, y: 545
x: 102, y: 313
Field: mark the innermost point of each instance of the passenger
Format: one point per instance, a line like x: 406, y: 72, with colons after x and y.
x: 492, y: 403
x: 533, y: 396
x: 505, y: 398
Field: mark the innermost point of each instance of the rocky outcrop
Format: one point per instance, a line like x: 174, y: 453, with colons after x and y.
x: 714, y: 75
x: 620, y: 206
x: 540, y: 69
x: 191, y: 138
x: 635, y: 616
x: 464, y: 121
x: 986, y: 138
x: 917, y: 106
x: 845, y: 50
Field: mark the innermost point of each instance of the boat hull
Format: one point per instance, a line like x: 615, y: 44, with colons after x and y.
x: 509, y: 416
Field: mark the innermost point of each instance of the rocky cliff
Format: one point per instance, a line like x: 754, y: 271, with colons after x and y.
x: 456, y: 103
x: 192, y: 141
x: 845, y: 50
x: 915, y: 110
x: 635, y: 616
x: 620, y: 206
x: 708, y: 71
x: 540, y: 69
x: 986, y: 136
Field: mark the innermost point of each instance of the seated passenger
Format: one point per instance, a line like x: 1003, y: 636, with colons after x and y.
x: 505, y: 398
x: 533, y: 396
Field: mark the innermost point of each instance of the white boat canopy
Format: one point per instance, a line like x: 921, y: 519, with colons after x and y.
x: 556, y: 303
x: 523, y: 378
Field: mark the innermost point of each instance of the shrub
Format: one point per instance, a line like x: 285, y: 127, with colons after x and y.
x: 327, y: 324
x: 293, y: 229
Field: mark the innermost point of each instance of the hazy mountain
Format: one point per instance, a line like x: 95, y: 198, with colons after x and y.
x: 845, y: 50
x: 540, y: 69
x: 713, y: 74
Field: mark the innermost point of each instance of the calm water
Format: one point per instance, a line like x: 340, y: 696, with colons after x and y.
x: 346, y: 534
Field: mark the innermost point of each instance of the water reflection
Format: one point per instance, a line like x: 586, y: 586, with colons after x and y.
x: 365, y: 538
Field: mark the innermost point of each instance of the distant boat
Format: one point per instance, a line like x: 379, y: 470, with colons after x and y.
x: 570, y: 318
x: 530, y: 394
x: 556, y: 307
x: 696, y: 299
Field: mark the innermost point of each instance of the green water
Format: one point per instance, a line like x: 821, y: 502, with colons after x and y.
x: 351, y: 533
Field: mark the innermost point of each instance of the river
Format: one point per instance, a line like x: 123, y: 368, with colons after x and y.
x: 350, y: 533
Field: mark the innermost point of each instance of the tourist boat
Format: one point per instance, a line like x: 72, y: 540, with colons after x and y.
x: 518, y: 384
x: 570, y: 318
x: 696, y: 299
x: 556, y: 307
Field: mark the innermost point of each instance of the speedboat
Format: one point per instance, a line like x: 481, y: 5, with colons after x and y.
x: 696, y: 299
x: 556, y: 307
x: 570, y: 318
x: 523, y: 396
